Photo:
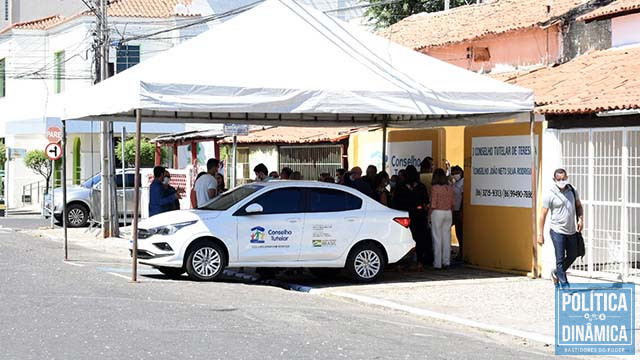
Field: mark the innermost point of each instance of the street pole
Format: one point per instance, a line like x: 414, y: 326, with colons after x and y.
x: 113, y: 194
x: 384, y: 142
x: 64, y: 188
x: 136, y: 201
x: 105, y: 193
x: 6, y: 182
x: 234, y: 162
x: 53, y: 200
x: 124, y: 183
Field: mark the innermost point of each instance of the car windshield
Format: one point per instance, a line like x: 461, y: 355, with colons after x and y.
x: 229, y: 198
x: 91, y: 181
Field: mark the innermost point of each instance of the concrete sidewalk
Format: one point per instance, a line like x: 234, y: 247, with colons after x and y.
x: 487, y: 300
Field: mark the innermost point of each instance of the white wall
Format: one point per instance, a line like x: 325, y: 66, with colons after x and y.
x: 266, y: 154
x: 625, y: 30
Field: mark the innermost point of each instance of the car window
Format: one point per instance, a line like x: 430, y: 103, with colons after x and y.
x: 91, y: 181
x: 329, y: 200
x: 280, y: 201
x: 129, y: 179
x: 230, y: 198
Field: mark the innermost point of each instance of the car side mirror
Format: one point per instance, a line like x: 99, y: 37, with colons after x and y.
x: 254, y: 209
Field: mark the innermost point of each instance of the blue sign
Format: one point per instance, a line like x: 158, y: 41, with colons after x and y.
x: 595, y: 319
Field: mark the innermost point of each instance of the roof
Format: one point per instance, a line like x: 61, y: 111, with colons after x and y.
x: 116, y: 8
x: 597, y: 81
x: 470, y: 22
x: 187, y: 136
x: 293, y: 135
x: 357, y: 78
x: 613, y: 9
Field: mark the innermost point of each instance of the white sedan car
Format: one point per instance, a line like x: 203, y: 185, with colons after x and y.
x: 278, y: 224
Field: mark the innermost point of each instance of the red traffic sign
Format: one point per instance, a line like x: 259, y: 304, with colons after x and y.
x: 54, y: 134
x: 53, y: 151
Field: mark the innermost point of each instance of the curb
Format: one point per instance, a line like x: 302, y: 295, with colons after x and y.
x: 436, y: 315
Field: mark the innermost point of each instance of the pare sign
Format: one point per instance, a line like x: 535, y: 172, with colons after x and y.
x: 54, y: 134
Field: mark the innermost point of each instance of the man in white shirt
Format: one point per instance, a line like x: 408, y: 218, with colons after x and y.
x: 206, y: 186
x: 457, y: 175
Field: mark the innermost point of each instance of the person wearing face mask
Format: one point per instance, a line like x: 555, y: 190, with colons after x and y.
x: 356, y: 182
x: 382, y: 194
x: 158, y: 197
x: 339, y: 179
x: 457, y: 176
x: 562, y: 203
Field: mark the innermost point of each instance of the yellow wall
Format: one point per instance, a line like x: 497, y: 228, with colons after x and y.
x: 495, y: 236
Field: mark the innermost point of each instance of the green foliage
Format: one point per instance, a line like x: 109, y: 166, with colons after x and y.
x: 387, y: 13
x: 37, y: 161
x: 147, y: 152
x: 3, y: 155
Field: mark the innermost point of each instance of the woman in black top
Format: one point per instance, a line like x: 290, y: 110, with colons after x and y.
x: 411, y: 196
x: 381, y: 192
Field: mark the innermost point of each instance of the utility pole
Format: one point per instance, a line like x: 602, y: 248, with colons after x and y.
x: 446, y: 5
x: 108, y: 211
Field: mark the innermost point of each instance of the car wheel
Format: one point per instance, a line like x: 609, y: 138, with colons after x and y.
x: 325, y: 273
x: 366, y: 263
x: 171, y: 272
x: 77, y: 215
x: 206, y: 262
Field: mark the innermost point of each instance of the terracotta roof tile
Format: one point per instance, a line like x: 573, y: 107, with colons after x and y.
x: 616, y: 7
x: 474, y: 21
x: 38, y: 24
x: 148, y: 8
x: 597, y: 81
x: 293, y: 135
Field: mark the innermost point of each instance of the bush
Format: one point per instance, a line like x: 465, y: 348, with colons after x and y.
x: 147, y: 152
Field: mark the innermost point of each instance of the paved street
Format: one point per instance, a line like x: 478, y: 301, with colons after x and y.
x: 55, y: 310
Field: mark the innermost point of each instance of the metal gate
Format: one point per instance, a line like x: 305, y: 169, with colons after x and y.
x: 604, y: 165
x: 311, y: 160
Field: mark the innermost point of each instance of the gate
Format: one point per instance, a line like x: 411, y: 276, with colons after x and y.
x: 604, y: 165
x: 311, y: 160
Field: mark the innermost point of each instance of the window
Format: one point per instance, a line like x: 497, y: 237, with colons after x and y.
x: 58, y: 76
x: 3, y: 78
x: 280, y: 201
x: 230, y: 198
x: 128, y: 178
x: 330, y: 200
x: 126, y: 57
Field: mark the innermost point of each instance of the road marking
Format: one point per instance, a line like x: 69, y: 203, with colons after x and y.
x: 72, y: 263
x: 119, y: 275
x: 440, y: 316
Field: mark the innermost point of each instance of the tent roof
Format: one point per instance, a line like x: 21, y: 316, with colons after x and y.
x: 283, y: 63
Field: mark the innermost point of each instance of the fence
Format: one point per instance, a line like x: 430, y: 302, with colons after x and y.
x: 604, y: 165
x: 311, y: 160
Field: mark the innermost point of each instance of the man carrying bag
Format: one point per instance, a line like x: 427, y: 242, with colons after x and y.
x: 566, y: 223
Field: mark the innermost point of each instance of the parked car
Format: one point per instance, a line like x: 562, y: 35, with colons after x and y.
x: 278, y: 224
x: 83, y: 201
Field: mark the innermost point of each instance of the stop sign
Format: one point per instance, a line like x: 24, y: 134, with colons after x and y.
x: 54, y: 134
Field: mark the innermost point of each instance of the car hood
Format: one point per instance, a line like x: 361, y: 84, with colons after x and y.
x: 176, y: 217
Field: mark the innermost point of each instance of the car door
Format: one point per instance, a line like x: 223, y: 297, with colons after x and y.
x: 332, y: 220
x: 128, y: 189
x: 275, y: 233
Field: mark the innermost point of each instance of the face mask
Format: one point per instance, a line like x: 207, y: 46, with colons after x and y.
x: 166, y: 181
x: 337, y: 179
x: 392, y: 184
x: 352, y: 177
x: 561, y: 184
x: 457, y: 177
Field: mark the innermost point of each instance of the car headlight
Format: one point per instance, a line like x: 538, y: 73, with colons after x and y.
x: 164, y: 229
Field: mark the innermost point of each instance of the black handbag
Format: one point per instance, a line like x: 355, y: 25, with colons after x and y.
x: 581, y: 249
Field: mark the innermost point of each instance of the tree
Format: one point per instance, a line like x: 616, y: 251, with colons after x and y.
x: 37, y: 161
x: 383, y: 13
x: 147, y: 152
x: 3, y: 155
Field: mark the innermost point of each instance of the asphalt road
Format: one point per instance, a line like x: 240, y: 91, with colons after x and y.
x: 54, y: 310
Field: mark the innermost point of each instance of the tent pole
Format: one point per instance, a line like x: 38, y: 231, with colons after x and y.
x: 65, y: 215
x: 384, y: 143
x: 534, y: 190
x: 234, y: 162
x: 136, y: 201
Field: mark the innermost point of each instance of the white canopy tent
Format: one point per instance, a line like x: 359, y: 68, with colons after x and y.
x: 282, y: 63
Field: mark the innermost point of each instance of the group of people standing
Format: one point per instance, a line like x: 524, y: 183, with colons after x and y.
x: 432, y: 198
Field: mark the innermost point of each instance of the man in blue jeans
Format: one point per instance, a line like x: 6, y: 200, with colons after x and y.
x: 561, y: 203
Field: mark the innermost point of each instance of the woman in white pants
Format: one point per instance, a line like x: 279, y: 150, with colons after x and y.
x: 440, y: 215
